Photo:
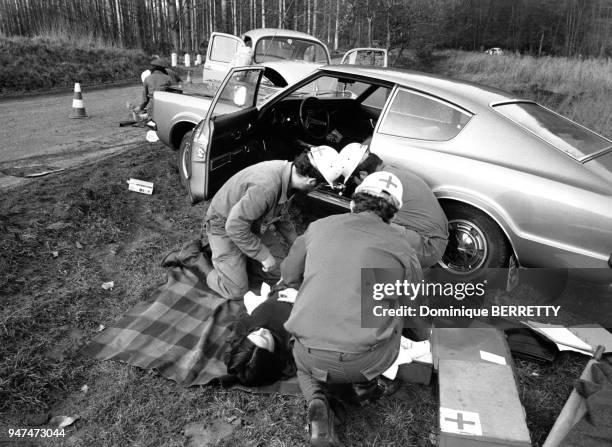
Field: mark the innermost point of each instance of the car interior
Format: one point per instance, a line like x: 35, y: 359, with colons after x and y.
x: 328, y: 110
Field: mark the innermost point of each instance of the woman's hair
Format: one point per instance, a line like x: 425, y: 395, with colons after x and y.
x: 368, y: 165
x: 254, y: 366
x: 250, y: 364
x: 304, y: 167
x: 377, y: 205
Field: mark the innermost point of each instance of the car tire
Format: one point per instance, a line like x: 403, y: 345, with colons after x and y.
x: 184, y: 159
x: 476, y: 243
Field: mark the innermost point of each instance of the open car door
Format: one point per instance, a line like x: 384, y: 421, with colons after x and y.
x: 224, y: 142
x: 219, y: 54
x: 375, y: 57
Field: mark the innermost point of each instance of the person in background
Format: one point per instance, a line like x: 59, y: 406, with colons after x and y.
x: 244, y: 54
x: 421, y: 219
x: 160, y: 78
x: 145, y: 74
x: 248, y: 203
x: 325, y: 263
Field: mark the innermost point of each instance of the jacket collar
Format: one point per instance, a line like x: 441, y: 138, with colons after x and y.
x: 285, y: 182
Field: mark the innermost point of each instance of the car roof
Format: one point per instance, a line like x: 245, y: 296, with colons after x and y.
x: 465, y: 94
x: 258, y: 33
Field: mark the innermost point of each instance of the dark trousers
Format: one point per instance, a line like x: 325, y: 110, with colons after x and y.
x: 317, y: 367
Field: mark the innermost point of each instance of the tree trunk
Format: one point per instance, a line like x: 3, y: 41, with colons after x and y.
x: 234, y: 17
x: 337, y: 31
x: 314, y: 18
x: 263, y: 13
x: 174, y: 29
x: 188, y: 30
x: 309, y: 17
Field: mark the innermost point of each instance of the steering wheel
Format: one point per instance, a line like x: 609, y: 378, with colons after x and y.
x: 314, y: 118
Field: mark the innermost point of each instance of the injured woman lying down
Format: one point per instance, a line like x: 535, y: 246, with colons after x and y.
x: 258, y: 351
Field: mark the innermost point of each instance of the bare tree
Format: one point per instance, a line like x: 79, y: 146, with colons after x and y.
x: 263, y: 13
x: 174, y: 29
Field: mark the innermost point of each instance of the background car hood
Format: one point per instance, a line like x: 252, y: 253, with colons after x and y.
x: 292, y: 71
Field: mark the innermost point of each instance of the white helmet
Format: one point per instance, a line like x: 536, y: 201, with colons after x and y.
x: 350, y: 156
x: 326, y: 160
x: 383, y: 184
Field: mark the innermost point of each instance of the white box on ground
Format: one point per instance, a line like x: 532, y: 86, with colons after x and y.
x: 140, y: 186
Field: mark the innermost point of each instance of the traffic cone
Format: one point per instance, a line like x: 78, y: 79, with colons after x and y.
x: 78, y: 109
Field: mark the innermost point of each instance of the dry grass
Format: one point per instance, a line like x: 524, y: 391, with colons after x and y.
x: 580, y: 89
x: 45, y: 63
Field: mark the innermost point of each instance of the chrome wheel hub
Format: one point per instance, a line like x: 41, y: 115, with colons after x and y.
x: 467, y: 248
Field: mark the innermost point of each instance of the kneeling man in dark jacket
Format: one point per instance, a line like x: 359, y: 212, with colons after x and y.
x: 331, y: 346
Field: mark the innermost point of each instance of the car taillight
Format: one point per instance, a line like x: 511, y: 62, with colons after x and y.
x: 201, y: 136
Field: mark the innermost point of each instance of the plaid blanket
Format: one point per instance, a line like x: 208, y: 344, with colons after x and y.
x: 181, y: 334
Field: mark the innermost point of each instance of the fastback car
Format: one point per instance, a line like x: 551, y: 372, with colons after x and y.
x: 516, y: 180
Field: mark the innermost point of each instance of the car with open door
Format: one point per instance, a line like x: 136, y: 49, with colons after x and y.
x: 517, y: 181
x: 289, y: 55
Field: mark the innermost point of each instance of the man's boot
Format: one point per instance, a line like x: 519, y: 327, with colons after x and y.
x: 321, y: 424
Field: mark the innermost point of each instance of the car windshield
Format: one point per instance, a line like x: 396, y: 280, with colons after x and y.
x: 567, y: 136
x: 276, y: 48
x: 330, y: 86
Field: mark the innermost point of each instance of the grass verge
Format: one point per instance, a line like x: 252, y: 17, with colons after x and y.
x: 580, y: 89
x: 40, y: 64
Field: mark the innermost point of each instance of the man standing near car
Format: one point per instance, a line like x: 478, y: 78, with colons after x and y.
x: 248, y: 203
x: 326, y: 263
x: 420, y: 219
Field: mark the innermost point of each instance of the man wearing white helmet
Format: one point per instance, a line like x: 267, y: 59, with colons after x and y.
x: 421, y: 219
x: 252, y: 200
x: 325, y: 263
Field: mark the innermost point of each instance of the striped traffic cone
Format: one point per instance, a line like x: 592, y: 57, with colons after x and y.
x: 78, y: 109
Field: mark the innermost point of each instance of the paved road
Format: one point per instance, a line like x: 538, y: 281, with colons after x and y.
x: 36, y: 133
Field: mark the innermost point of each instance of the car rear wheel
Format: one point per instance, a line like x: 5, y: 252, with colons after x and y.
x: 184, y: 161
x: 475, y: 243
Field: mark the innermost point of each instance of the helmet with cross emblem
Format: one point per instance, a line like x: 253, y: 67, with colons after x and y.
x: 385, y: 185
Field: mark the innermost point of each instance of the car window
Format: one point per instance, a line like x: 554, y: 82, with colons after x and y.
x: 331, y: 86
x: 414, y: 115
x: 238, y: 93
x: 365, y: 56
x: 567, y: 136
x: 276, y: 48
x: 377, y: 98
x: 223, y: 48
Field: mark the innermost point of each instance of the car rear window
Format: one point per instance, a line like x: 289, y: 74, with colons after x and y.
x: 276, y: 48
x: 567, y: 136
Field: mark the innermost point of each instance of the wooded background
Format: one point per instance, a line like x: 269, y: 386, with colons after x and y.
x: 538, y: 27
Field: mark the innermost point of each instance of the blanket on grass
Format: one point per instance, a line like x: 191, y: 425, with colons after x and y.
x: 181, y: 335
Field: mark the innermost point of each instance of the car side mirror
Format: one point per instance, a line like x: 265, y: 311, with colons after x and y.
x: 240, y: 95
